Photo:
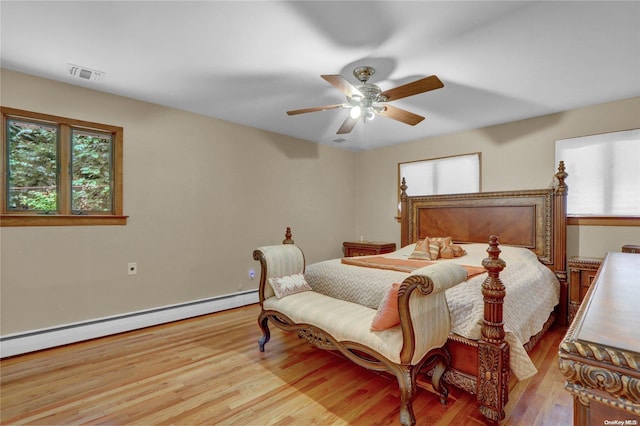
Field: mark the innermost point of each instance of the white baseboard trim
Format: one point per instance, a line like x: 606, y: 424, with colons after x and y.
x: 34, y: 340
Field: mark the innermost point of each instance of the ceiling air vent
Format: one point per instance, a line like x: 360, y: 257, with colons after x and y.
x: 339, y: 140
x: 84, y: 73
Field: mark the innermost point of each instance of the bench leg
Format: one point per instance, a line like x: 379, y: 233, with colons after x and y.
x: 437, y: 380
x: 266, y: 334
x: 436, y: 364
x: 407, y: 385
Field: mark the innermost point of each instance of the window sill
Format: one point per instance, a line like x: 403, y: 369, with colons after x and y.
x: 61, y: 220
x: 604, y: 220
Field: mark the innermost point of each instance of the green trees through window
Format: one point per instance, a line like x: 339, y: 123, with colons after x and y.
x: 32, y: 168
x: 91, y: 171
x: 59, y: 167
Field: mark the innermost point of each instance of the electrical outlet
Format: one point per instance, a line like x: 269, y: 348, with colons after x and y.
x: 132, y: 268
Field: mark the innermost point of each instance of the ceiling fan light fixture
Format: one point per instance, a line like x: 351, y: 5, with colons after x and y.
x: 370, y: 115
x: 355, y: 112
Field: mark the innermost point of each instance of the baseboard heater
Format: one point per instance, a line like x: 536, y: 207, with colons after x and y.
x: 34, y: 340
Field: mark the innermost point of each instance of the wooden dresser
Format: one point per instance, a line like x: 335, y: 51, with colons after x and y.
x: 600, y: 354
x: 366, y: 248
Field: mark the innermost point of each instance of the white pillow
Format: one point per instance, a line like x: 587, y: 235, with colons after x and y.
x: 288, y: 285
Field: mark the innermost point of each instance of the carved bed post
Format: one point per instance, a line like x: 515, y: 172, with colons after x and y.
x: 404, y: 215
x: 560, y: 238
x: 493, y: 350
x: 287, y: 237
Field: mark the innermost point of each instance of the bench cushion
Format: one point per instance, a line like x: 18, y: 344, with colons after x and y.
x: 344, y: 321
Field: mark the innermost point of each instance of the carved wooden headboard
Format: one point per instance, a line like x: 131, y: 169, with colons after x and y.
x: 517, y: 218
x: 534, y: 219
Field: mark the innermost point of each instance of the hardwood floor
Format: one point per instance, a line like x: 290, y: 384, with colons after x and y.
x: 208, y: 370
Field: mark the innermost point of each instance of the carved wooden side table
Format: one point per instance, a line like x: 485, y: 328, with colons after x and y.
x: 366, y: 248
x: 582, y: 271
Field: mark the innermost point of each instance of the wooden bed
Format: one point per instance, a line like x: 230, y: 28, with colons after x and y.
x: 533, y: 219
x: 480, y: 363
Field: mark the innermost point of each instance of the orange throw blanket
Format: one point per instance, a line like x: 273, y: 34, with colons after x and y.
x: 402, y: 265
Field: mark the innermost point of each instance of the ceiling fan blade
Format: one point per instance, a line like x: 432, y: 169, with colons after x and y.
x: 347, y: 126
x: 314, y: 109
x: 342, y: 84
x: 401, y: 115
x: 413, y: 88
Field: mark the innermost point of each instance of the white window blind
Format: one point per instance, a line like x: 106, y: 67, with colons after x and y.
x: 604, y: 173
x: 448, y: 175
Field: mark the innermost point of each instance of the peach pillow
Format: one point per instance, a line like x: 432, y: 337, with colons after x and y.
x: 434, y: 249
x: 420, y: 252
x: 458, y: 251
x: 446, y: 252
x: 387, y: 315
x: 441, y: 242
x: 445, y: 241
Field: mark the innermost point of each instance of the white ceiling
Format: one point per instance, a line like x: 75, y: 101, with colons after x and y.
x: 249, y: 62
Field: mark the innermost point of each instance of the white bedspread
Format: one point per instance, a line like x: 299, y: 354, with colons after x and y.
x: 532, y: 292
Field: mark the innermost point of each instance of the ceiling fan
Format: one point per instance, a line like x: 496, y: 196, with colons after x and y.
x: 367, y: 99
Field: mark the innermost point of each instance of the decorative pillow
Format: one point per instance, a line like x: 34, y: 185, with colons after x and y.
x: 445, y: 241
x: 446, y: 252
x: 288, y: 285
x: 458, y: 251
x: 420, y: 252
x: 436, y: 244
x: 434, y: 249
x: 387, y: 315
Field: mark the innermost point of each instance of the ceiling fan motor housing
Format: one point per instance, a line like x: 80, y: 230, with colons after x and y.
x: 363, y: 74
x: 370, y: 94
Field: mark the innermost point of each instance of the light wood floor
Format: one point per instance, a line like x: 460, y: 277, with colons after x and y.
x: 208, y: 370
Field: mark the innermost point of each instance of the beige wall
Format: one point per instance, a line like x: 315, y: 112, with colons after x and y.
x: 200, y: 193
x: 517, y: 155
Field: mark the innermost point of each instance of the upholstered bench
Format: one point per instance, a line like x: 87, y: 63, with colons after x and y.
x: 415, y: 345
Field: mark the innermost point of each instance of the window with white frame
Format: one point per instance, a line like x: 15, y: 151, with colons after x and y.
x: 604, y: 173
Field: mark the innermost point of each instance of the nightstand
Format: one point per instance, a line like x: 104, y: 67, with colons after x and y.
x: 366, y: 248
x: 631, y: 248
x: 582, y: 271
